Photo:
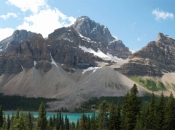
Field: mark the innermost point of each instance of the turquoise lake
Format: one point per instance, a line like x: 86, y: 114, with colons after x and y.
x: 73, y: 117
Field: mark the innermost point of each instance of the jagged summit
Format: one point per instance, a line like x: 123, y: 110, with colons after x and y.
x: 18, y: 36
x: 89, y: 28
x: 153, y: 59
x: 160, y: 36
x: 100, y: 34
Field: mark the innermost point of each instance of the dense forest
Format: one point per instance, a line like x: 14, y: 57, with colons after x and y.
x: 14, y: 102
x: 131, y: 115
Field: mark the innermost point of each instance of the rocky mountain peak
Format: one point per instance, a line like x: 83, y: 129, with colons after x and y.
x: 96, y: 32
x: 154, y: 59
x: 100, y: 34
x: 18, y: 36
x: 160, y: 36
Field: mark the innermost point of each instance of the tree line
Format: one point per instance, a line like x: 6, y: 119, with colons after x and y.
x: 14, y: 102
x: 132, y: 115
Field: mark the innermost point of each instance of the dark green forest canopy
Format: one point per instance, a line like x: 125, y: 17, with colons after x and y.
x: 22, y: 102
x: 156, y: 114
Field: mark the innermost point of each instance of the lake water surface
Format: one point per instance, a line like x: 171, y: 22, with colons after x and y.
x: 73, y: 117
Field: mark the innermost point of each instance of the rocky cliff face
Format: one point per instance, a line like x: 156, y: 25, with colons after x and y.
x: 17, y: 37
x: 157, y: 57
x: 25, y: 55
x: 99, y: 33
x: 68, y: 46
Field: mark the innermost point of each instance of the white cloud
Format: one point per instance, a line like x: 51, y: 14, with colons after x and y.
x: 46, y: 21
x: 5, y: 17
x: 139, y: 39
x: 31, y: 5
x: 43, y: 19
x: 160, y: 14
x: 5, y: 32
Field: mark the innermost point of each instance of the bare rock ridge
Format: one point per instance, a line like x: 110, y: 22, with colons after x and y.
x: 26, y: 49
x: 154, y: 59
x: 17, y: 37
x: 99, y: 33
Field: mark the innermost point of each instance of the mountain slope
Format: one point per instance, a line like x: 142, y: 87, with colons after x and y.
x: 154, y: 59
x: 70, y: 65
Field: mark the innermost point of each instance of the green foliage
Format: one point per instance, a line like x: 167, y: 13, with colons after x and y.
x: 102, y: 116
x: 42, y: 120
x: 132, y: 108
x: 1, y: 116
x: 149, y: 83
x: 156, y: 114
x: 151, y: 113
x: 170, y: 114
x: 22, y: 102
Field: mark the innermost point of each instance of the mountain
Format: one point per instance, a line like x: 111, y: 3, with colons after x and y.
x: 99, y: 33
x: 154, y: 59
x: 17, y: 37
x: 74, y: 64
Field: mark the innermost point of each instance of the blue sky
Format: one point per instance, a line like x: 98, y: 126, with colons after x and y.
x: 135, y: 22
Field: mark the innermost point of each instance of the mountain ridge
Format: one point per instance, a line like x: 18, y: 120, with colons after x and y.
x: 75, y: 65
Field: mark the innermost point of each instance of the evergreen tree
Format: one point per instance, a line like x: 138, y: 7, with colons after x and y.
x: 142, y: 118
x: 138, y: 123
x: 8, y: 122
x: 29, y: 121
x: 77, y: 125
x: 133, y: 108
x: 124, y: 111
x: 118, y: 117
x: 66, y: 123
x: 1, y: 116
x: 72, y: 126
x: 160, y: 113
x: 151, y: 113
x: 112, y: 117
x: 42, y: 120
x: 102, y: 116
x: 93, y: 122
x: 51, y: 123
x: 19, y: 123
x: 169, y: 121
x: 82, y: 125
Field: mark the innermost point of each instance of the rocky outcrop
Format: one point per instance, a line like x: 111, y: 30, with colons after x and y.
x: 96, y: 32
x: 17, y: 37
x: 26, y: 55
x: 100, y: 34
x: 157, y: 57
x: 64, y: 46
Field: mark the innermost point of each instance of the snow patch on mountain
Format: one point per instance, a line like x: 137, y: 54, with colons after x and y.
x: 94, y: 29
x: 35, y: 63
x: 53, y: 62
x: 113, y: 57
x: 115, y: 37
x: 68, y: 39
x: 86, y: 38
x: 99, y: 53
x: 7, y: 45
x: 90, y: 69
x: 113, y: 41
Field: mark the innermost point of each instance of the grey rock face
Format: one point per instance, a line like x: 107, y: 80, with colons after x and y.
x: 159, y: 55
x: 17, y: 37
x: 96, y: 32
x: 99, y: 33
x: 26, y: 49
